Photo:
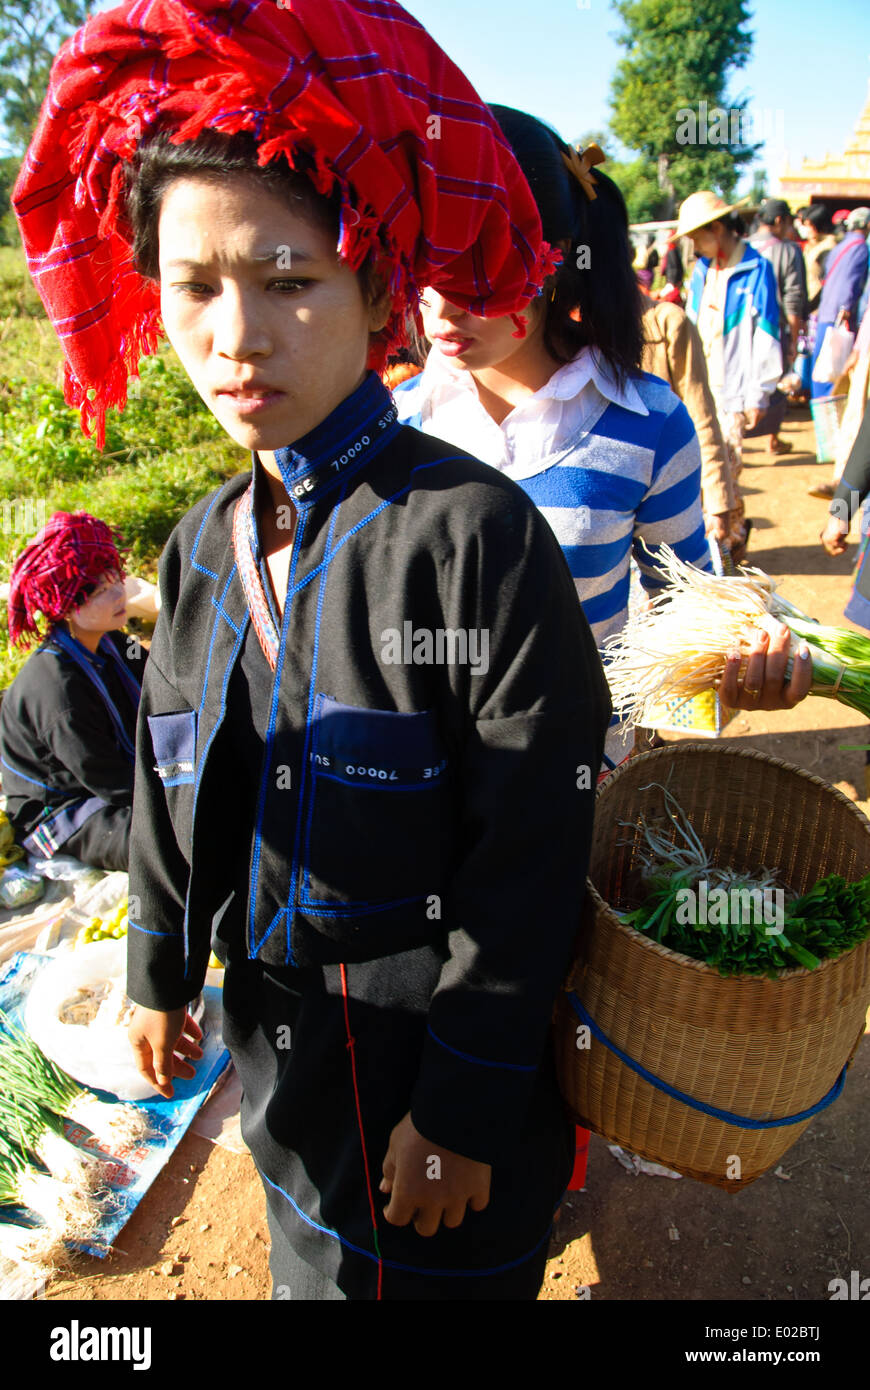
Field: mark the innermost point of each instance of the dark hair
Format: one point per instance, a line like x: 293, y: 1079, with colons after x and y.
x: 213, y: 155
x: 605, y: 291
x: 818, y: 216
x: 732, y: 222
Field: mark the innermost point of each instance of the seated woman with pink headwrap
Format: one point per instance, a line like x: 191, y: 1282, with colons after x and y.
x: 68, y: 721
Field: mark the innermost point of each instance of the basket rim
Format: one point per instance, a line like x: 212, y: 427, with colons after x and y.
x: 639, y: 938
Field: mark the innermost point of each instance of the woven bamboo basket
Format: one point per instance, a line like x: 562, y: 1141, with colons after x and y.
x: 755, y: 1048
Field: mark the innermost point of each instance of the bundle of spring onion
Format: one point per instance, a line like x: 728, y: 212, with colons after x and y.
x: 40, y: 1131
x: 678, y: 646
x: 67, y: 1212
x: 26, y: 1072
x: 34, y: 1249
x: 720, y: 916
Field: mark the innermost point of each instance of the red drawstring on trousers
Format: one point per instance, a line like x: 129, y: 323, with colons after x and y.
x: 351, y: 1042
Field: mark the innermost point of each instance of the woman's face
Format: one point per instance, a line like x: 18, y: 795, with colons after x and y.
x: 476, y: 344
x: 706, y: 242
x: 106, y: 609
x: 270, y: 326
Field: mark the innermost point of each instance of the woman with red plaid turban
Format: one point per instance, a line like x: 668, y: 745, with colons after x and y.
x: 372, y: 705
x: 68, y: 721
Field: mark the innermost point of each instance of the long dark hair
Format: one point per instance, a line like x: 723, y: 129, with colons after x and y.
x: 596, y: 275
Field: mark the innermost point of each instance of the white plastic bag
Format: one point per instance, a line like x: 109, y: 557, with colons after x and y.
x: 98, y: 1054
x: 836, y: 346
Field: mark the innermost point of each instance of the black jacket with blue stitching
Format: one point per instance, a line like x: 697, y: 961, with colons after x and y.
x: 429, y: 772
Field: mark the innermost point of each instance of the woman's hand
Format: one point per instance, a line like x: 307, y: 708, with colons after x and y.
x: 762, y: 685
x: 719, y: 526
x: 427, y: 1183
x: 157, y: 1037
x: 751, y: 418
x: 833, y: 537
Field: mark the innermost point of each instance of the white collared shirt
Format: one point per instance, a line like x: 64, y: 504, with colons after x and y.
x: 535, y: 430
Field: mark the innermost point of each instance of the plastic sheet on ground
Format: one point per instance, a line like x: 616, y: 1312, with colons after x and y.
x: 132, y: 1170
x: 633, y: 1163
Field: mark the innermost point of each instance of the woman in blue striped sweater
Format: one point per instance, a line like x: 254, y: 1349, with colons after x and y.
x: 608, y: 452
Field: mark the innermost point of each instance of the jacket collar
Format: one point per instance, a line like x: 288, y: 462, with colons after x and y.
x: 337, y: 448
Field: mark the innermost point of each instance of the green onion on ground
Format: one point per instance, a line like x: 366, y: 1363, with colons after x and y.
x: 26, y: 1071
x: 68, y: 1214
x: 42, y: 1132
x: 36, y: 1250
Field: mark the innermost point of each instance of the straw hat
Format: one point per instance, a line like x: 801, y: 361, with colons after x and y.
x: 701, y: 208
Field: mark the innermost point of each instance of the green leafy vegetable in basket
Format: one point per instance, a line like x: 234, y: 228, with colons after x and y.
x: 738, y: 923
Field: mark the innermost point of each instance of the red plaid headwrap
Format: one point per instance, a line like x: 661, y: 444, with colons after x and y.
x: 426, y: 176
x: 52, y: 574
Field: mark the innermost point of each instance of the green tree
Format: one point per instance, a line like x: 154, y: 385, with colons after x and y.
x: 669, y: 93
x: 638, y: 183
x: 31, y: 32
x: 8, y: 226
x: 758, y: 191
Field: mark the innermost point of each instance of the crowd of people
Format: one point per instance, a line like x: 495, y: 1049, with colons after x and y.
x: 396, y: 877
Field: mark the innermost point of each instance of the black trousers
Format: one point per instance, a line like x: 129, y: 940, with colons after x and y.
x: 294, y: 1279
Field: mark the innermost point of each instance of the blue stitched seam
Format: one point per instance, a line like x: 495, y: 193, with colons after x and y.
x: 253, y: 946
x: 741, y: 1121
x: 355, y: 909
x: 396, y: 1264
x: 218, y: 604
x: 24, y: 778
x: 328, y: 558
x: 205, y: 678
x: 170, y: 936
x: 481, y: 1061
x: 201, y: 767
x: 315, y: 744
x: 202, y: 568
x: 178, y: 781
x: 309, y: 732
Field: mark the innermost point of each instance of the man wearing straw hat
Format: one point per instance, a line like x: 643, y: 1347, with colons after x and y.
x: 733, y: 301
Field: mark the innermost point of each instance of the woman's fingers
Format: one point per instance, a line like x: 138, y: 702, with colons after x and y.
x: 764, y: 684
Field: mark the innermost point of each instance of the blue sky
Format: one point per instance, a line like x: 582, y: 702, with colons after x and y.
x: 806, y: 80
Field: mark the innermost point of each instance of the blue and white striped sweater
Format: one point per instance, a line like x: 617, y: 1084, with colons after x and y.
x: 625, y: 483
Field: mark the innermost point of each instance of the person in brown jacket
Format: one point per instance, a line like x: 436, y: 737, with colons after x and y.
x: 672, y: 350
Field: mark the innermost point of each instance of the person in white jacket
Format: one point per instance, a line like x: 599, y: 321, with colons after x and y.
x: 733, y: 301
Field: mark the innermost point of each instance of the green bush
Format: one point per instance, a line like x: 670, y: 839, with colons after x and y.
x: 161, y: 454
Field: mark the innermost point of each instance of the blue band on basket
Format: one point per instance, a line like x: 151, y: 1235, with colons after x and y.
x: 743, y: 1121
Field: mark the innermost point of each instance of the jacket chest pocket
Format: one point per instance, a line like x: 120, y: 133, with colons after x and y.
x: 377, y: 832
x: 173, y: 738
